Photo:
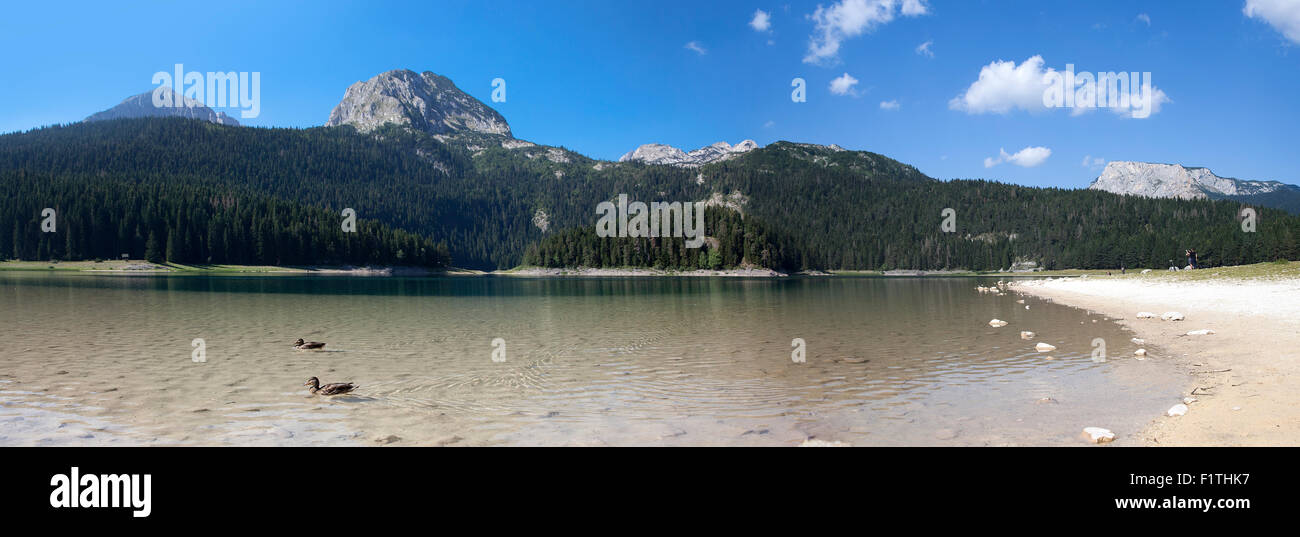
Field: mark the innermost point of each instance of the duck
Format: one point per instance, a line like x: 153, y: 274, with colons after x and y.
x: 307, y: 345
x: 337, y: 388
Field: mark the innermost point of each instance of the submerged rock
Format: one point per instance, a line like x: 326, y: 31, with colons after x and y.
x: 1044, y: 347
x: 1098, y: 435
x: 997, y: 323
x: 813, y: 442
x: 1026, y: 335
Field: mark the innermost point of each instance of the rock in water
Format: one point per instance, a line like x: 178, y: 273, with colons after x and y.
x: 1171, y: 316
x: 1098, y: 435
x: 813, y: 442
x: 997, y: 323
x: 1043, y: 347
x: 1026, y: 335
x: 1204, y: 332
x: 1177, y: 410
x: 1140, y: 352
x: 426, y: 102
x: 1146, y: 315
x: 1138, y: 341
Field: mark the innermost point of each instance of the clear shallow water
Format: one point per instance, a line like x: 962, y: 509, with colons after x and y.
x: 106, y: 359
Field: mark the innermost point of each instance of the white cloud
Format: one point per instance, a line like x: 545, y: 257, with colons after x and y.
x: 696, y: 47
x: 1025, y: 158
x: 1158, y: 98
x: 1143, y: 17
x: 843, y: 85
x: 912, y: 8
x: 1092, y: 162
x: 1004, y: 86
x: 769, y: 124
x: 924, y: 49
x: 851, y: 18
x: 761, y: 22
x: 889, y: 105
x: 1282, y: 15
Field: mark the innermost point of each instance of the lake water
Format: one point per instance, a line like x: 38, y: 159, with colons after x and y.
x: 107, y: 359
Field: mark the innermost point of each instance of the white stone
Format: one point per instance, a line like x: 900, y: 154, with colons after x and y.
x: 1189, y: 400
x: 1140, y: 352
x: 1146, y: 315
x: 1171, y: 316
x: 1138, y: 341
x: 1177, y: 410
x: 997, y: 323
x: 1026, y: 335
x: 1043, y: 347
x: 813, y: 442
x: 1098, y: 435
x: 1203, y: 332
x: 1144, y: 271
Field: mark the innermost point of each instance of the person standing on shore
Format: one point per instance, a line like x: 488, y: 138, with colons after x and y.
x: 1191, y: 257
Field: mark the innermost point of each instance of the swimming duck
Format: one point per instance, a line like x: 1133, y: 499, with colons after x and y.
x: 307, y: 345
x: 337, y: 388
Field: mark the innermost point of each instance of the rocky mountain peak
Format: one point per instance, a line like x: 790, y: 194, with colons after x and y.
x: 672, y: 156
x: 424, y: 101
x: 142, y: 106
x: 1174, y: 181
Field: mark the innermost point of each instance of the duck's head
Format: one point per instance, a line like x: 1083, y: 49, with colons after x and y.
x: 299, y: 342
x: 314, y: 382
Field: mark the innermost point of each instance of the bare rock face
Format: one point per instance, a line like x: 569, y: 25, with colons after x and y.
x: 1174, y: 181
x: 672, y: 156
x: 427, y: 101
x: 142, y: 106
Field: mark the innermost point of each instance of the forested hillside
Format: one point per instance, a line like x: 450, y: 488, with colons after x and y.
x: 102, y: 218
x: 489, y: 198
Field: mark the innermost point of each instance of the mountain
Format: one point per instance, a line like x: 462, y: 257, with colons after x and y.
x: 1176, y: 181
x: 804, y: 205
x: 671, y: 156
x: 427, y: 102
x: 142, y: 106
x: 441, y: 185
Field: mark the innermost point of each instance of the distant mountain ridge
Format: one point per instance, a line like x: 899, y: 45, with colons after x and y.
x: 672, y: 156
x: 142, y: 106
x: 1156, y: 180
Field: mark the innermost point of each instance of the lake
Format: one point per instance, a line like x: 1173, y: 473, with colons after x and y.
x: 94, y: 359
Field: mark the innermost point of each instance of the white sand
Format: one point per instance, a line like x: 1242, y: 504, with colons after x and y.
x: 1245, y: 376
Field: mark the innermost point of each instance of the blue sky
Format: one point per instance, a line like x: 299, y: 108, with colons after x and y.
x: 602, y: 77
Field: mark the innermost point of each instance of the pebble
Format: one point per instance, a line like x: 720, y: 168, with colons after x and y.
x: 1177, y: 410
x: 1044, y: 347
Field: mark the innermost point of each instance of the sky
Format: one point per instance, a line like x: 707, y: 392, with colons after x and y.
x: 953, y: 87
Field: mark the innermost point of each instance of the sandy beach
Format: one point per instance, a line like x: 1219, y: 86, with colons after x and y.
x: 1245, y: 375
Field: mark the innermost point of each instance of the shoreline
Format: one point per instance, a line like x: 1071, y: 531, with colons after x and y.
x: 1244, y: 377
x: 114, y: 266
